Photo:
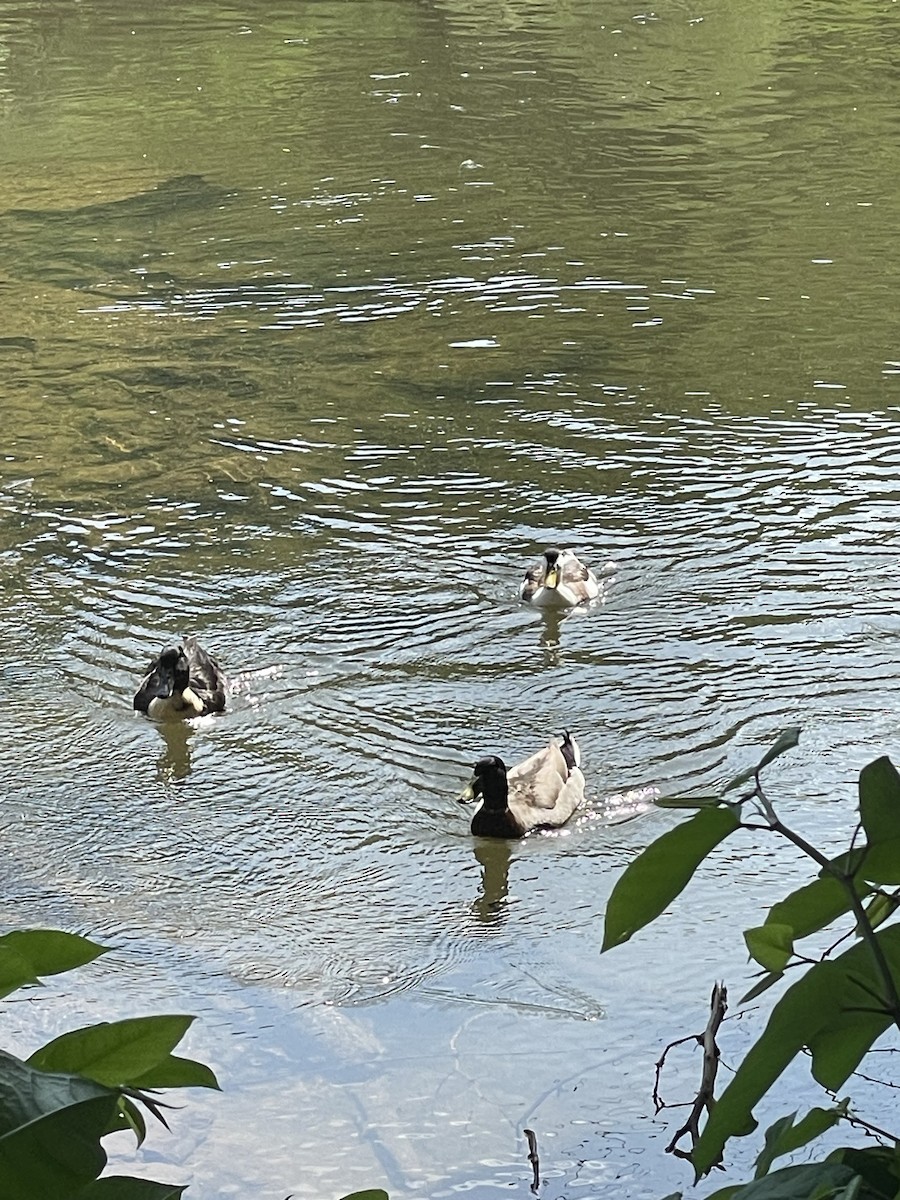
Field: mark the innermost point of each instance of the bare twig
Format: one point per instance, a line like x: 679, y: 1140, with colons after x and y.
x: 534, y: 1160
x: 706, y: 1094
x: 658, y: 1103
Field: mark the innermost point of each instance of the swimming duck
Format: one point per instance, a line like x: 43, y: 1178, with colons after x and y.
x: 559, y: 579
x: 184, y: 681
x: 543, y: 791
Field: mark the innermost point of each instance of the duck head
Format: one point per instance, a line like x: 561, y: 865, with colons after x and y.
x: 172, y: 675
x: 488, y: 782
x: 551, y: 577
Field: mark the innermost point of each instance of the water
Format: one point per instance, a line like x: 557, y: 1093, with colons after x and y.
x: 317, y: 326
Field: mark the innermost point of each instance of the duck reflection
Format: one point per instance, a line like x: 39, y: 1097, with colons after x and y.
x: 174, y: 763
x: 551, y: 620
x: 494, y: 855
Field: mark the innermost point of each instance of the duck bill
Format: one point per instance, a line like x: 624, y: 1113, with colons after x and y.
x: 552, y: 579
x: 470, y: 792
x: 163, y: 686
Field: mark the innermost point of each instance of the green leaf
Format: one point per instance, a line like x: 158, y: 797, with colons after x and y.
x: 824, y: 1011
x: 784, y: 1136
x: 650, y: 883
x: 27, y: 1095
x: 177, y: 1072
x: 688, y: 801
x: 27, y: 954
x: 813, y: 1181
x: 131, y: 1117
x: 850, y: 1191
x: 787, y: 740
x: 770, y: 945
x: 814, y: 906
x: 881, y: 863
x: 761, y: 986
x: 57, y: 1154
x: 126, y: 1187
x: 877, y: 1166
x: 879, y: 909
x: 115, y: 1053
x: 879, y: 801
x: 371, y: 1194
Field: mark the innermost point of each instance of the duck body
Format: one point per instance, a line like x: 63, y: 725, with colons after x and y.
x: 559, y: 580
x: 541, y: 792
x: 183, y: 681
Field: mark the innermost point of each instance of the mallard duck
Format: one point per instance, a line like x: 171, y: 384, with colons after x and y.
x: 544, y: 790
x: 184, y: 681
x: 559, y: 579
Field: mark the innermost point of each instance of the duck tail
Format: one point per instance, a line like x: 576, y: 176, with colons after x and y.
x: 570, y: 750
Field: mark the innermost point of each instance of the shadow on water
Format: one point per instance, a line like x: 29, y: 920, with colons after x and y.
x: 62, y: 246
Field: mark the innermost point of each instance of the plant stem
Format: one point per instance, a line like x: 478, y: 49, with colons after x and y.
x: 892, y: 1001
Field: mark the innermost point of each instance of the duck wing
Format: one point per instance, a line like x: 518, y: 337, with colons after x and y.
x: 534, y: 580
x: 548, y: 787
x: 578, y: 580
x: 207, y: 677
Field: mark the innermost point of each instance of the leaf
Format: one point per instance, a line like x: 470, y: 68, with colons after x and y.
x: 177, y: 1072
x: 770, y: 945
x: 131, y: 1117
x: 27, y: 954
x: 881, y: 863
x: 371, y: 1194
x: 877, y: 1166
x: 850, y: 1191
x: 814, y: 906
x: 784, y: 1136
x: 822, y: 1011
x: 27, y: 1095
x: 761, y: 986
x: 879, y: 909
x: 688, y: 802
x: 813, y: 1181
x: 879, y: 801
x: 787, y: 740
x: 126, y: 1187
x: 57, y: 1154
x: 115, y: 1053
x: 661, y: 872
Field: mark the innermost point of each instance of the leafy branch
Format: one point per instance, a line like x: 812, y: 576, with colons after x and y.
x: 839, y: 1005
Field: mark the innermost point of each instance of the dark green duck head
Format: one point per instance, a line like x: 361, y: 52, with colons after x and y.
x: 489, y: 784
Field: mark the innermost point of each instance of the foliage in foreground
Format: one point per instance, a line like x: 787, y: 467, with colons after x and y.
x: 57, y: 1105
x: 839, y: 1004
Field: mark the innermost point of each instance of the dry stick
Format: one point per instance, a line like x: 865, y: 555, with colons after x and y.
x: 706, y: 1094
x: 658, y: 1103
x: 534, y: 1160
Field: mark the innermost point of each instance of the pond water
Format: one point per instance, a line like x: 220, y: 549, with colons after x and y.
x: 319, y: 321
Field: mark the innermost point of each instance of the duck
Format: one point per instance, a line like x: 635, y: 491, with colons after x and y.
x: 183, y: 681
x: 559, y: 580
x: 543, y: 791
